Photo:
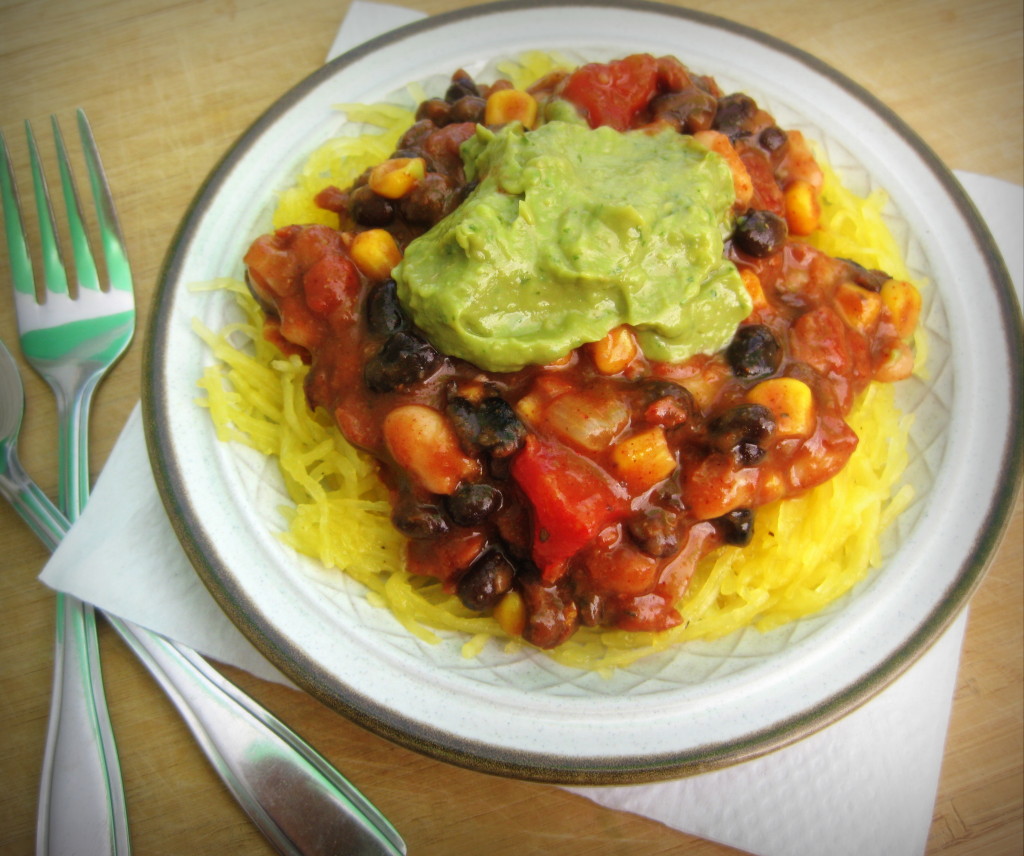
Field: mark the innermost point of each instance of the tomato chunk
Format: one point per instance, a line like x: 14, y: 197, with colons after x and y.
x: 330, y: 283
x: 572, y: 500
x: 613, y: 93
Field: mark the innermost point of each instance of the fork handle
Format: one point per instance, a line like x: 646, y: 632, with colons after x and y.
x: 73, y: 444
x: 82, y: 806
x: 81, y: 798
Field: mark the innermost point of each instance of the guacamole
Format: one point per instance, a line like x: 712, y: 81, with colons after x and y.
x: 571, y: 232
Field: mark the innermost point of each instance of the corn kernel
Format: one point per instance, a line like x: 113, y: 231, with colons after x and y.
x: 859, y: 307
x: 375, y: 253
x: 394, y: 178
x: 510, y: 613
x: 803, y: 211
x: 644, y: 459
x: 791, y: 403
x: 511, y: 105
x: 614, y: 352
x: 546, y: 387
x: 902, y: 304
x: 528, y: 408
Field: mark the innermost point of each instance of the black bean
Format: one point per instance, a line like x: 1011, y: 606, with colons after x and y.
x: 666, y: 403
x: 404, y: 360
x: 417, y: 133
x: 486, y: 581
x: 736, y: 526
x: 688, y: 109
x: 461, y: 86
x: 734, y: 111
x: 462, y: 414
x: 655, y: 531
x: 748, y: 454
x: 742, y: 424
x: 872, y: 280
x: 760, y: 233
x: 772, y: 138
x: 430, y: 201
x: 469, y: 108
x: 501, y: 430
x: 551, y: 614
x: 492, y: 425
x: 384, y: 314
x: 434, y: 110
x: 489, y: 426
x: 419, y: 520
x: 654, y: 388
x: 369, y: 209
x: 473, y: 503
x: 754, y: 352
x: 410, y: 152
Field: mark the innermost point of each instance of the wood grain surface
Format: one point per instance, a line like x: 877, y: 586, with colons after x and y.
x: 168, y: 85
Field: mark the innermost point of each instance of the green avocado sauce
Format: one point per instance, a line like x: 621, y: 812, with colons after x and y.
x: 570, y: 233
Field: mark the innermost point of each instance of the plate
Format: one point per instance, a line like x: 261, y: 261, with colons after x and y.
x: 696, y: 707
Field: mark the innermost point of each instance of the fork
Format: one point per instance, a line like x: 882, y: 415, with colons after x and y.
x: 299, y: 801
x: 71, y: 338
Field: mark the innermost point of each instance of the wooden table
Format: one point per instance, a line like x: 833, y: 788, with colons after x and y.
x: 168, y: 86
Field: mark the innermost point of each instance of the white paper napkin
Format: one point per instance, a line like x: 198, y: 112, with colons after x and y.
x: 866, y: 784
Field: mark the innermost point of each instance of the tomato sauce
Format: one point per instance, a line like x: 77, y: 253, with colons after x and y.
x: 585, y: 492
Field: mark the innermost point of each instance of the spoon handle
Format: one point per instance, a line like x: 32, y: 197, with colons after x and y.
x: 30, y: 502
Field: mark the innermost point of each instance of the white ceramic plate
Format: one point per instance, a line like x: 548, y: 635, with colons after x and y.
x: 702, y: 705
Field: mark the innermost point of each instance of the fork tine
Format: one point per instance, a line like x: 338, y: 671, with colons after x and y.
x: 54, y: 277
x: 21, y: 261
x: 85, y: 266
x: 118, y: 269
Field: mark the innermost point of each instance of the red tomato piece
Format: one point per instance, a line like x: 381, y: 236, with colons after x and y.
x: 311, y: 243
x: 714, y: 486
x: 613, y: 93
x: 331, y: 282
x: 624, y: 571
x: 767, y: 194
x: 572, y: 500
x: 821, y: 339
